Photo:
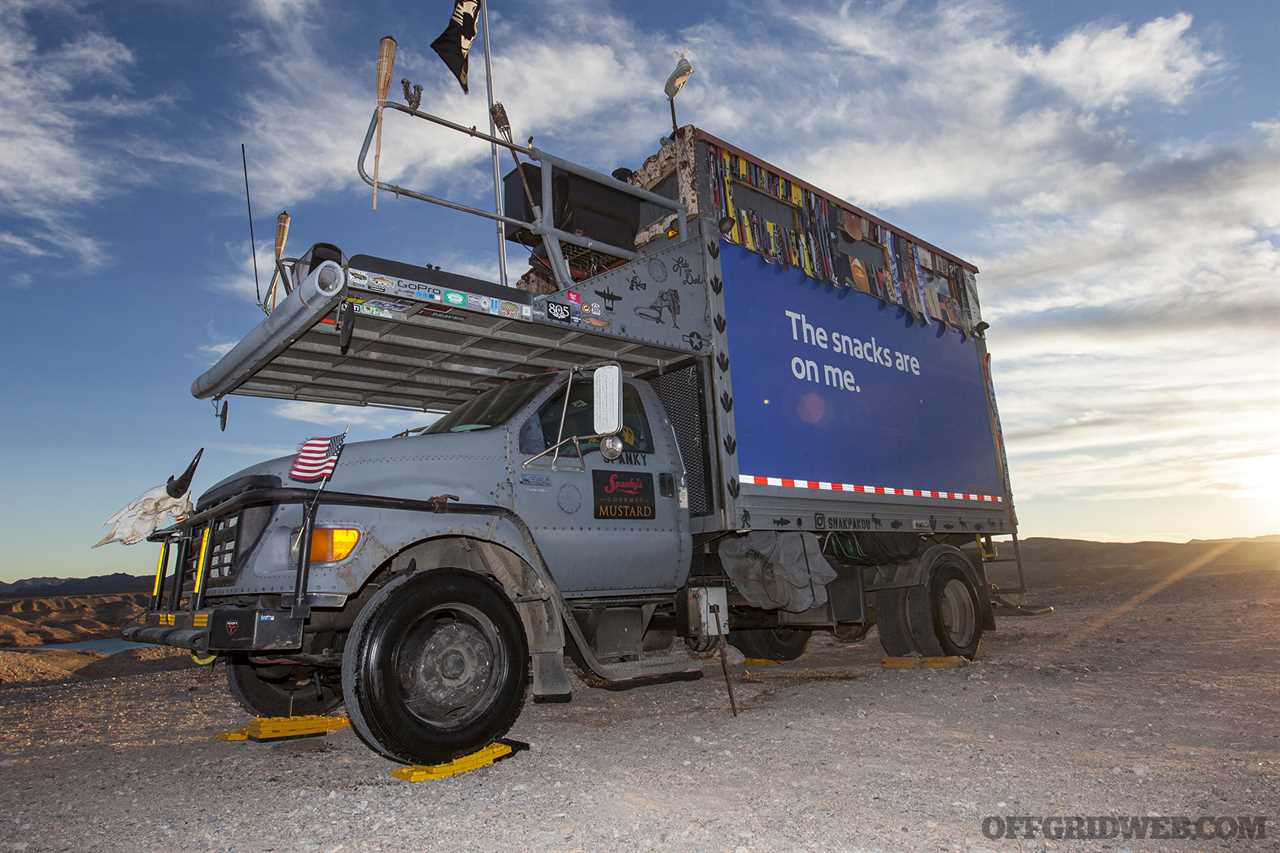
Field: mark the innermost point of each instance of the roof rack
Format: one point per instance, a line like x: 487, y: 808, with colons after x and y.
x: 555, y: 241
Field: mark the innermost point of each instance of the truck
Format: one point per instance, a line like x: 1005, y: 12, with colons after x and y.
x: 724, y: 406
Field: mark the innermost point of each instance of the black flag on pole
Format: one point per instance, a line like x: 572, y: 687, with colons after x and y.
x: 454, y: 44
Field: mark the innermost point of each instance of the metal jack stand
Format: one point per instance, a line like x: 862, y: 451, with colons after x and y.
x: 724, y: 661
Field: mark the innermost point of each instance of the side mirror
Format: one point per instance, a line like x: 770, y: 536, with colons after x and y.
x: 608, y: 400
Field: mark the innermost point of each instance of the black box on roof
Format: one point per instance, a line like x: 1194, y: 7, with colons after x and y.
x: 582, y: 206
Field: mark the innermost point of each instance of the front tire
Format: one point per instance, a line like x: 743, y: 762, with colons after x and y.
x: 277, y: 690
x: 435, y: 667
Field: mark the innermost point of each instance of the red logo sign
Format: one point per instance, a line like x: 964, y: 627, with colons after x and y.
x: 625, y: 487
x: 232, y: 627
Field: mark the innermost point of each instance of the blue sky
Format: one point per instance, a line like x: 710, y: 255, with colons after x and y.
x: 1112, y: 170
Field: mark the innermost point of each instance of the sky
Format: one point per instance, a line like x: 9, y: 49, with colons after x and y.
x: 1112, y: 169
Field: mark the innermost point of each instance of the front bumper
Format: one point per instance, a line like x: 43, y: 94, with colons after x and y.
x: 178, y: 614
x: 220, y: 629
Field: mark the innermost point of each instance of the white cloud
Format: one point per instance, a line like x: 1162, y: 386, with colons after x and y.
x: 237, y: 276
x: 51, y: 164
x: 21, y: 245
x: 1110, y: 67
x: 990, y: 114
x: 581, y: 64
x: 1135, y: 338
x: 217, y: 350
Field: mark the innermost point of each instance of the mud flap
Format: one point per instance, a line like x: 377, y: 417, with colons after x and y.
x: 546, y: 648
x: 550, y: 679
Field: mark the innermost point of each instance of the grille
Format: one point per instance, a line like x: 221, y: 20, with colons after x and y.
x: 222, y: 548
x: 222, y: 552
x: 681, y: 395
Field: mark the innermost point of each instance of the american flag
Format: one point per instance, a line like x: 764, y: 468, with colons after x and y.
x: 316, y: 459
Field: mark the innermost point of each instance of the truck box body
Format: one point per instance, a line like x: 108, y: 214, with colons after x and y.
x: 835, y: 391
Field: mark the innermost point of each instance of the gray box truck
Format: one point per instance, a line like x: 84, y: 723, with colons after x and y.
x: 742, y: 408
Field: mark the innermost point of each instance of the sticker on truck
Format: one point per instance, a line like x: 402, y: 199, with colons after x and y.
x: 623, y: 495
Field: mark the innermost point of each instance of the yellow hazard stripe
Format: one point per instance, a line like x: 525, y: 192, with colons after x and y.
x: 204, y: 552
x: 164, y: 553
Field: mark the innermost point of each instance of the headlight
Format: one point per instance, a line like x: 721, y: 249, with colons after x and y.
x: 331, y: 544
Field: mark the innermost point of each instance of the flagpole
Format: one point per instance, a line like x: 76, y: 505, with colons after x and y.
x: 297, y: 543
x: 493, y: 149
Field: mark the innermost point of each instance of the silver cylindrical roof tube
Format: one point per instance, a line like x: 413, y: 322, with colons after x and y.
x: 319, y: 293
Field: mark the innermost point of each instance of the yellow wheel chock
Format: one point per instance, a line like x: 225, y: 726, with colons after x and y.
x: 495, y: 751
x: 280, y: 728
x: 760, y: 662
x: 947, y: 662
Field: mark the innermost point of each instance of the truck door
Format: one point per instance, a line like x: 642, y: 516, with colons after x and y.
x: 606, y: 528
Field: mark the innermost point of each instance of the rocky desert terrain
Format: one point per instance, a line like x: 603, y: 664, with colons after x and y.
x: 31, y: 621
x: 1152, y: 690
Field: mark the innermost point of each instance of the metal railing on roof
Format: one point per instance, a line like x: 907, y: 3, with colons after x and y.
x: 543, y: 224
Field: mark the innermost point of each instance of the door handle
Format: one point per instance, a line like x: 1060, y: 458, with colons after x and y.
x: 667, y: 485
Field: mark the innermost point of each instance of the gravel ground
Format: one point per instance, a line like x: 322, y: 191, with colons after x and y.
x: 1144, y: 694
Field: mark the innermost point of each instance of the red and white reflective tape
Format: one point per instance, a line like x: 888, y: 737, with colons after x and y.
x: 822, y: 485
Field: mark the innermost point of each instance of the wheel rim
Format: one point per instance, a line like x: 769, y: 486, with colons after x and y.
x: 957, y: 613
x: 451, y: 665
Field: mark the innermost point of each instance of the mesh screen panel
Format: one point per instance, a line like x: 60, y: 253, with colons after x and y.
x: 681, y: 395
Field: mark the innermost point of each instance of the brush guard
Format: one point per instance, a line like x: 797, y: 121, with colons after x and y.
x: 178, y: 613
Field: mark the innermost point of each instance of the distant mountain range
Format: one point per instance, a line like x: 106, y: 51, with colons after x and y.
x: 1035, y: 549
x: 118, y: 582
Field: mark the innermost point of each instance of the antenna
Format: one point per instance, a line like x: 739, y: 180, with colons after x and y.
x: 253, y: 243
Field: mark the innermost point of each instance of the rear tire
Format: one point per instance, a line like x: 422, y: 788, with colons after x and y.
x: 945, y: 614
x: 941, y: 616
x: 891, y: 623
x: 266, y: 690
x: 435, y: 667
x: 770, y: 643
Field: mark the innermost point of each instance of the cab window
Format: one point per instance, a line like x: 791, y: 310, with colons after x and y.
x: 540, y: 431
x: 490, y: 409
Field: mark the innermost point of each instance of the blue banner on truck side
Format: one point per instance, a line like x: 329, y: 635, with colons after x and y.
x: 831, y: 385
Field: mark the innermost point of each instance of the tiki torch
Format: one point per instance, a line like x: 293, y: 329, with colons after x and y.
x: 386, y: 64
x: 282, y: 237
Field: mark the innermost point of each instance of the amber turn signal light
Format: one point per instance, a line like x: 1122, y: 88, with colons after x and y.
x: 331, y: 544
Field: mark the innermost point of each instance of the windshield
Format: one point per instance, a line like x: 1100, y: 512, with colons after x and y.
x: 493, y: 407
